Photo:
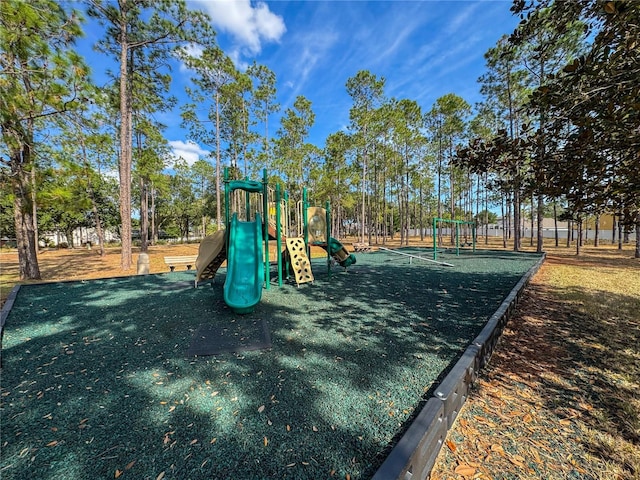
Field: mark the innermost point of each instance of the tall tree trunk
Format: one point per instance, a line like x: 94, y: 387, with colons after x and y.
x: 407, y: 222
x: 99, y: 230
x: 540, y: 217
x: 620, y: 232
x: 504, y: 224
x: 532, y: 223
x: 486, y: 211
x: 596, y: 240
x: 400, y: 204
x: 92, y: 197
x: 421, y: 220
x: 126, y: 258
x: 154, y: 228
x: 555, y: 222
x: 364, y: 184
x: 452, y: 203
x: 542, y: 160
x: 509, y: 208
x: 369, y: 220
x: 144, y: 216
x: 516, y: 219
x: 218, y: 173
x: 34, y: 204
x: 637, y: 250
x: 385, y: 222
x: 626, y: 227
x: 96, y: 216
x: 68, y: 232
x: 23, y: 216
x: 376, y: 208
x: 439, y: 177
x: 478, y: 203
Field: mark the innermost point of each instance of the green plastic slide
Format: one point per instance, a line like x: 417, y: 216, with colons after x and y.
x: 245, y: 270
x: 340, y: 254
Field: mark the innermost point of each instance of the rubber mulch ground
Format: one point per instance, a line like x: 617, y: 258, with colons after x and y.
x: 97, y: 381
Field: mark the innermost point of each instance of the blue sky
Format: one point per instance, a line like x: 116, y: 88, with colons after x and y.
x: 424, y: 49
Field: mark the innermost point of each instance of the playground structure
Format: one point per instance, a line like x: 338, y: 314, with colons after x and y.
x: 454, y: 232
x: 317, y: 231
x: 251, y: 221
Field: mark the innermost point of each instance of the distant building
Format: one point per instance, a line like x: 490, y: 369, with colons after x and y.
x: 549, y: 228
x: 81, y: 236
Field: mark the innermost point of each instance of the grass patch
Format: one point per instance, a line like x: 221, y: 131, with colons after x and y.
x: 605, y: 301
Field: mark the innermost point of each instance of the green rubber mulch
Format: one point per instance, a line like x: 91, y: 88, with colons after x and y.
x: 97, y: 382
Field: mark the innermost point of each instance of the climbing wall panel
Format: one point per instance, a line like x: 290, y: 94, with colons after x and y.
x: 299, y: 261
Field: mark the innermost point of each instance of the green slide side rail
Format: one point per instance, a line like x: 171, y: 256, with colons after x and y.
x: 245, y: 270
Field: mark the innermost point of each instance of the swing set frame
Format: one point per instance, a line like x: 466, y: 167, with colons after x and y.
x: 457, y: 224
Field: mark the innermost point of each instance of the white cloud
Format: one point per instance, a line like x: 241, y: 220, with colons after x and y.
x: 191, y: 50
x: 236, y: 57
x: 312, y: 50
x: 250, y: 25
x: 463, y: 19
x: 189, y: 151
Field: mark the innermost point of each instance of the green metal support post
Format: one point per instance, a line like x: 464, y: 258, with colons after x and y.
x: 265, y: 228
x: 226, y: 199
x: 328, y: 222
x: 287, y: 264
x: 473, y: 236
x: 278, y: 234
x: 247, y: 203
x: 435, y: 238
x: 305, y: 227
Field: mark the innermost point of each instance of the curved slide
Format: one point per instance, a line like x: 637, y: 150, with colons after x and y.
x: 211, y: 254
x: 245, y: 269
x: 340, y: 254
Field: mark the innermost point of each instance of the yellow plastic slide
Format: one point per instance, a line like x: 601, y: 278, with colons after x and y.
x: 211, y: 254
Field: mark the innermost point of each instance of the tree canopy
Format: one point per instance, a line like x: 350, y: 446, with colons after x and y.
x: 559, y: 124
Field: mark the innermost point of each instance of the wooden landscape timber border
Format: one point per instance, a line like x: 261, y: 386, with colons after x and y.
x: 415, y: 454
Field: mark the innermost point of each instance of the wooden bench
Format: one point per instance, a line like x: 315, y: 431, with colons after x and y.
x: 361, y: 247
x: 188, y: 260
